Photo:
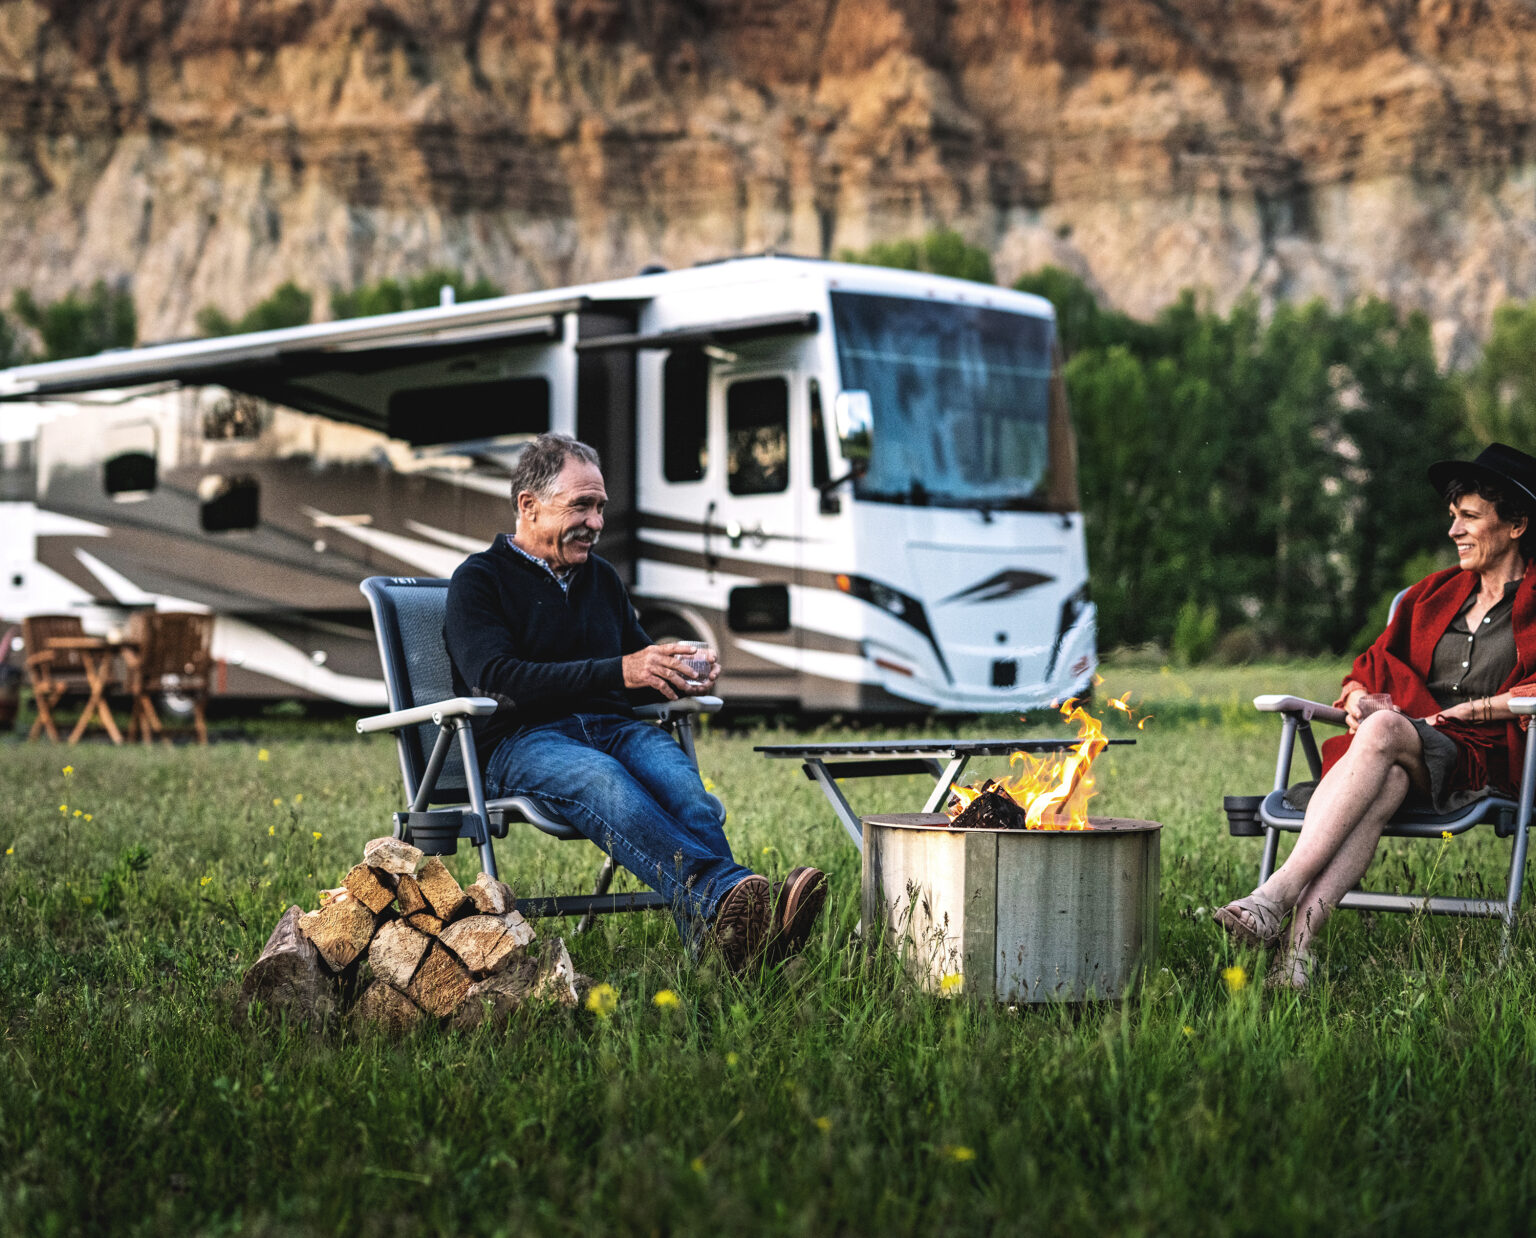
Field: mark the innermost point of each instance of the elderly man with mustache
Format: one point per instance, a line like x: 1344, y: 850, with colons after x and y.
x: 543, y: 625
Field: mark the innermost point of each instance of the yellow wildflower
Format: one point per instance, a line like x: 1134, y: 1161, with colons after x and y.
x: 299, y: 798
x: 731, y: 1058
x: 10, y: 851
x: 1235, y: 977
x: 68, y: 770
x: 665, y: 998
x: 952, y: 982
x: 823, y: 1124
x: 78, y: 813
x: 317, y: 834
x: 959, y: 1152
x: 263, y: 755
x: 1446, y: 834
x: 603, y: 1000
x: 1188, y: 1031
x: 276, y: 802
x: 271, y: 829
x: 63, y: 807
x: 709, y: 784
x: 87, y: 816
x: 205, y: 881
x: 697, y: 1165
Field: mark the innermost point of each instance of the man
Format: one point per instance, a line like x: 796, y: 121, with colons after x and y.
x: 545, y: 626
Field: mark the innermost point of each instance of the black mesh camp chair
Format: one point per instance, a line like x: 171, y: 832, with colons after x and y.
x: 437, y: 751
x: 1268, y: 816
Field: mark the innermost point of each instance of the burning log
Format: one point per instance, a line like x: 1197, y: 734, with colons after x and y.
x: 992, y: 809
x: 420, y: 962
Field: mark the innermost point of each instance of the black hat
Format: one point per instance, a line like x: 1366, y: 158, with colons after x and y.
x: 1498, y: 463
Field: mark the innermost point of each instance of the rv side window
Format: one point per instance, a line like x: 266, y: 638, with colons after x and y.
x: 757, y: 436
x: 229, y: 503
x: 685, y: 415
x: 129, y: 472
x: 821, y: 468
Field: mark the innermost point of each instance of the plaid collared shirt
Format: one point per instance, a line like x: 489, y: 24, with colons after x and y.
x: 563, y: 580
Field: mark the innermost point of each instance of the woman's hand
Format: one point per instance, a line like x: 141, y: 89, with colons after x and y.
x: 1483, y: 709
x: 1352, y: 709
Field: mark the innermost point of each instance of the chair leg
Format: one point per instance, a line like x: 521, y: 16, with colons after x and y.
x: 604, y: 880
x: 44, y: 697
x: 200, y: 718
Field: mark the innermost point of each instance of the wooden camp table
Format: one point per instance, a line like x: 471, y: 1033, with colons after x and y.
x: 943, y: 760
x: 96, y: 655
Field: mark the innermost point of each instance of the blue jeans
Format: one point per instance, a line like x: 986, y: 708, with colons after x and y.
x: 629, y: 787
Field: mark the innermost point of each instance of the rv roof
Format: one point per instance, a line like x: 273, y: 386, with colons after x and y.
x: 339, y: 368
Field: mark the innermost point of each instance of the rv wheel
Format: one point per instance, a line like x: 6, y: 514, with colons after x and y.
x: 176, y: 705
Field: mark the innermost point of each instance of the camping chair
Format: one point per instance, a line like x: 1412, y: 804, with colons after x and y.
x: 53, y: 673
x: 437, y: 747
x: 1269, y: 815
x: 168, y: 652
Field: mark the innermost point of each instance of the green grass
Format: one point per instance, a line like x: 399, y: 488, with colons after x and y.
x: 1397, y: 1096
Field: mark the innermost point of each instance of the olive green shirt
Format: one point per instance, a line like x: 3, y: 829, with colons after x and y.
x: 1469, y: 665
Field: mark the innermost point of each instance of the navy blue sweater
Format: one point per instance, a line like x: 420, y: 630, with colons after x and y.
x: 543, y: 653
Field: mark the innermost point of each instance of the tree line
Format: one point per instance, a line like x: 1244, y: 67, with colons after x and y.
x: 1250, y: 485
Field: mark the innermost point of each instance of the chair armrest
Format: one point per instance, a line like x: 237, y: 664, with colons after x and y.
x: 457, y: 707
x: 1309, y: 710
x: 683, y: 705
x: 1522, y: 706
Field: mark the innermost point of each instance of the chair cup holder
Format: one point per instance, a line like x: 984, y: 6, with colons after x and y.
x: 1243, y: 815
x: 434, y: 833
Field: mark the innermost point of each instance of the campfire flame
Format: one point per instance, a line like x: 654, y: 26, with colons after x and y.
x: 1053, y: 790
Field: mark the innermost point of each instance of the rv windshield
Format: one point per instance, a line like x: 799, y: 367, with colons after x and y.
x: 960, y: 398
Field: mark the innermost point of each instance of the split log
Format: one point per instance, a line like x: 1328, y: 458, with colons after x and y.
x: 340, y: 930
x: 408, y: 895
x: 288, y: 975
x: 440, y: 984
x: 385, y: 1005
x: 483, y: 943
x: 330, y: 896
x: 425, y: 922
x: 557, y: 974
x: 518, y: 928
x: 393, y: 855
x: 490, y: 897
x: 496, y: 997
x: 444, y: 894
x: 369, y: 887
x: 396, y: 953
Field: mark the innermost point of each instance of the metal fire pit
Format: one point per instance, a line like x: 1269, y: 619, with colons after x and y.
x: 1018, y: 915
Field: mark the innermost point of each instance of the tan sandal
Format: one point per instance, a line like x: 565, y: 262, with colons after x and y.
x: 1292, y: 970
x: 1253, y: 921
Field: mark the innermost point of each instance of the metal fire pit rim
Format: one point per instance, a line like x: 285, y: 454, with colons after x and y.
x: 1103, y: 827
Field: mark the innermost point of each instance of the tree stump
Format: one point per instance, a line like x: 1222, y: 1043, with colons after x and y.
x: 289, y: 976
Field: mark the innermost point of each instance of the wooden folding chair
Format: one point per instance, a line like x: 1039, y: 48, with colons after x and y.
x: 53, y: 673
x: 168, y: 652
x: 437, y: 747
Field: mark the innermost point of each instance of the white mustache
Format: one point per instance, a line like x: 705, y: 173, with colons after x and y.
x: 579, y: 535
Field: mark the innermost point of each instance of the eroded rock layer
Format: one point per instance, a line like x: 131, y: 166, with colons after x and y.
x: 211, y: 149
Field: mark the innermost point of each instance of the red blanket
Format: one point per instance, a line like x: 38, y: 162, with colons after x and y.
x: 1399, y: 660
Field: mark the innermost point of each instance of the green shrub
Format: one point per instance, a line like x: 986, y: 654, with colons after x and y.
x: 78, y: 325
x: 389, y: 296
x: 942, y: 252
x: 289, y: 306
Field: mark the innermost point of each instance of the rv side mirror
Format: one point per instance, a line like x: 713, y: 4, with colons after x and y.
x: 854, y: 416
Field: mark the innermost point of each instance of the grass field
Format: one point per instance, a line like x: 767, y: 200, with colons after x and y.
x: 1398, y: 1096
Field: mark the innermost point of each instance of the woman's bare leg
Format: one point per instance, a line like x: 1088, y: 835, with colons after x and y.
x: 1358, y: 795
x: 1322, y: 894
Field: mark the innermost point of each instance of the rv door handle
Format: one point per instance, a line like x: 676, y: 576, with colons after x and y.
x: 709, y: 528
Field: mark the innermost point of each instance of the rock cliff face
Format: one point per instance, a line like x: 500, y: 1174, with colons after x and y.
x: 208, y: 150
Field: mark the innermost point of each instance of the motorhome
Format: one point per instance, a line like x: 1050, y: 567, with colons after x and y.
x: 857, y: 483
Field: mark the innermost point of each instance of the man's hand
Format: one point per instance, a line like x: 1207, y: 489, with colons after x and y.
x: 663, y: 668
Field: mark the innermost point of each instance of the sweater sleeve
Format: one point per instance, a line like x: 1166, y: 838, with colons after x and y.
x: 484, y: 650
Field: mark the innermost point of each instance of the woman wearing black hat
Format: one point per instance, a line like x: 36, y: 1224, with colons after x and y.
x: 1462, y: 642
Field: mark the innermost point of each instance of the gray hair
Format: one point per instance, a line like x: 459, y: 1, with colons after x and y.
x: 543, y: 460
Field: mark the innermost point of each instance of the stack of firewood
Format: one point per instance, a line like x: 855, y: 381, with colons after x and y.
x: 401, y: 941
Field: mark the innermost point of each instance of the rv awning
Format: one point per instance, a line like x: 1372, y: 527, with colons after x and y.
x: 343, y: 369
x: 736, y: 331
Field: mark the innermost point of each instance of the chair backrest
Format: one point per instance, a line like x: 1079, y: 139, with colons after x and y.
x: 173, y: 643
x: 38, y: 630
x: 408, y: 616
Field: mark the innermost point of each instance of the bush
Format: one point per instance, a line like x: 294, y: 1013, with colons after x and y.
x: 289, y: 306
x: 942, y: 252
x: 388, y: 296
x: 1194, y: 633
x: 79, y: 325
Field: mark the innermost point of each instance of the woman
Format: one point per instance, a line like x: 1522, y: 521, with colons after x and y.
x: 1462, y: 642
